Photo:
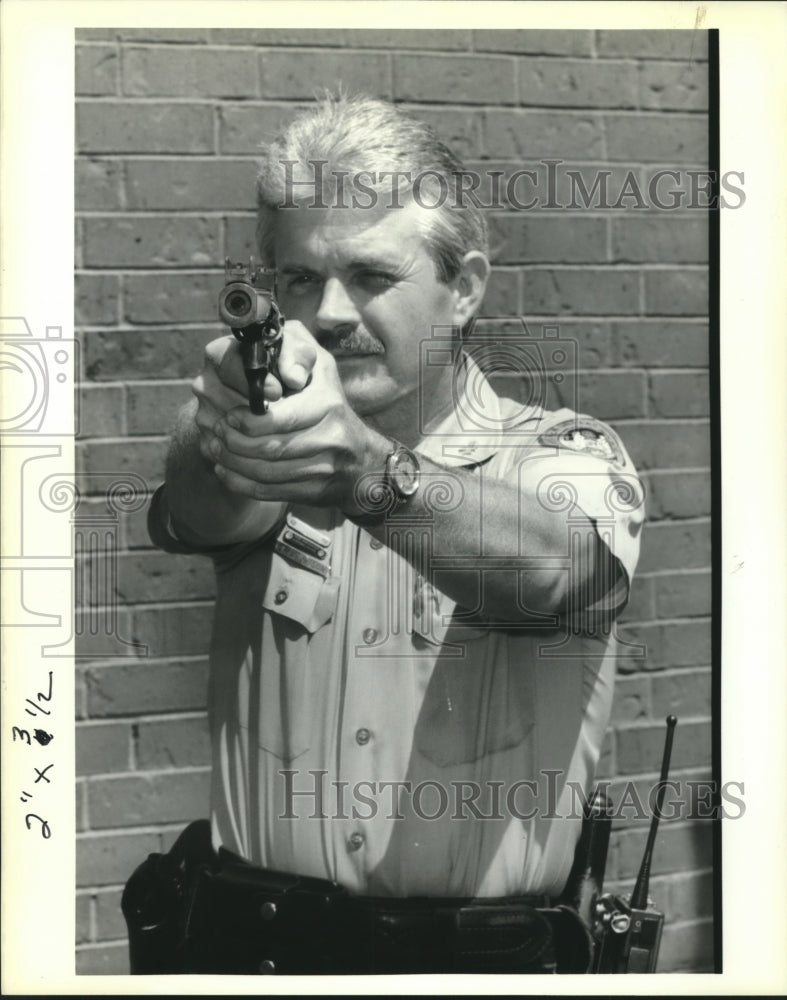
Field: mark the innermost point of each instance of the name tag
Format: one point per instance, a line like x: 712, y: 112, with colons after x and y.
x: 305, y: 546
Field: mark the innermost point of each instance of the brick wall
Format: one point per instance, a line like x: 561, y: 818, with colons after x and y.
x: 167, y: 126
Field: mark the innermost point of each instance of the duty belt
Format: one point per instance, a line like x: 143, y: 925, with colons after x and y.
x: 221, y: 915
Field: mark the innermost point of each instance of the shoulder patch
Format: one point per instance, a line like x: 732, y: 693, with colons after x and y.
x: 586, y: 436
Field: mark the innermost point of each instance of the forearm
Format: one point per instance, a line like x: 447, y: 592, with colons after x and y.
x: 203, y: 510
x: 490, y: 546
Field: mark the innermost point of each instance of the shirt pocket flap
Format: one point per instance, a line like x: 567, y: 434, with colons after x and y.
x: 438, y: 621
x: 300, y: 595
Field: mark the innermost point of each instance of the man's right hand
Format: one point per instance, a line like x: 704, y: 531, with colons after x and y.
x: 221, y: 386
x: 203, y: 510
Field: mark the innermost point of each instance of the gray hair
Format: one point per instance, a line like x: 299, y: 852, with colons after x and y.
x: 360, y: 135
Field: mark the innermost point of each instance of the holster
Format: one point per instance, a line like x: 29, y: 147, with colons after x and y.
x: 158, y: 899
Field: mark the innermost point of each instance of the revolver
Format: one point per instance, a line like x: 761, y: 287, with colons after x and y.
x: 255, y: 319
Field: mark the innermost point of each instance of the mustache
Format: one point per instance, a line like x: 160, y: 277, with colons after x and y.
x: 356, y: 341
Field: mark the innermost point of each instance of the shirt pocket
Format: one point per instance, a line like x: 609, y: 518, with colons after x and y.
x: 299, y: 595
x: 299, y: 604
x: 476, y: 702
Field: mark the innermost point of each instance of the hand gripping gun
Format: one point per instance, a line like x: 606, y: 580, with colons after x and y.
x: 626, y: 933
x: 250, y: 311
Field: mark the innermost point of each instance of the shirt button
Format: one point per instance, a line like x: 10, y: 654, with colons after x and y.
x: 369, y: 635
x: 281, y: 596
x: 267, y: 968
x: 376, y: 544
x: 268, y: 910
x: 363, y: 736
x: 357, y: 841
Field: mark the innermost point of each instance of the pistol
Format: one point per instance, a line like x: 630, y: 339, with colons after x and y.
x: 251, y: 312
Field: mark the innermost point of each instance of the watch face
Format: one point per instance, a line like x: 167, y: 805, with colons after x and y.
x: 405, y: 472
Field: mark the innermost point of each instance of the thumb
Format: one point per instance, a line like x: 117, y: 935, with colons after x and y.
x: 223, y: 355
x: 297, y: 356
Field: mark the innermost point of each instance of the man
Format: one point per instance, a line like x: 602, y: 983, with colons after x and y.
x: 412, y: 658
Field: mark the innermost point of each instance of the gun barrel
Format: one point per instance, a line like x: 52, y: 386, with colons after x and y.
x: 241, y: 304
x: 256, y: 321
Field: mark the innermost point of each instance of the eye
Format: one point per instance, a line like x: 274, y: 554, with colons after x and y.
x: 301, y: 284
x: 375, y: 281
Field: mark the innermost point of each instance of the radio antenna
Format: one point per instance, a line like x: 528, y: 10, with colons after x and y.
x: 639, y: 897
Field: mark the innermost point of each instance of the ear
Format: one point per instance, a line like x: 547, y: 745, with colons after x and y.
x: 469, y: 286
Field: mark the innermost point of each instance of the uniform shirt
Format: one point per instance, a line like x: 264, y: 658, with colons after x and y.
x: 367, y: 730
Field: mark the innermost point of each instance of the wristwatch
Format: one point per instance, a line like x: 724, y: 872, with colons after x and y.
x: 396, y: 487
x: 402, y: 475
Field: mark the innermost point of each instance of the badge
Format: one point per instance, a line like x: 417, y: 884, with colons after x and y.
x: 586, y: 436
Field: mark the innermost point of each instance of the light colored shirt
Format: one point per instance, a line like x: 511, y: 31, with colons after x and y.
x: 367, y: 730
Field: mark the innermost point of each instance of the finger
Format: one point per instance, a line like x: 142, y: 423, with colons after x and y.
x: 208, y: 389
x: 317, y: 467
x: 207, y: 447
x: 223, y: 356
x: 297, y: 356
x: 278, y: 447
x: 297, y: 412
x: 236, y: 482
x: 272, y: 387
x: 277, y: 420
x: 207, y: 415
x: 207, y: 441
x: 221, y: 350
x: 207, y: 420
x: 269, y: 447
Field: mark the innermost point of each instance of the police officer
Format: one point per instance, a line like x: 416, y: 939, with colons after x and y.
x: 413, y: 649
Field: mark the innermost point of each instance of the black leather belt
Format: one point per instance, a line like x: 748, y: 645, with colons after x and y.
x: 235, y: 918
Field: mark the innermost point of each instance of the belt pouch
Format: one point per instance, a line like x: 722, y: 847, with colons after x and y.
x: 245, y: 921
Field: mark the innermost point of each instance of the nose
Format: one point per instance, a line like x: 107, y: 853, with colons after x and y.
x: 337, y: 308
